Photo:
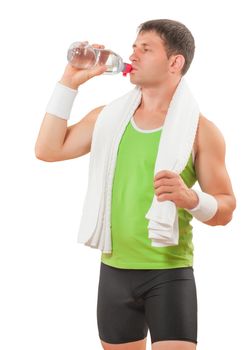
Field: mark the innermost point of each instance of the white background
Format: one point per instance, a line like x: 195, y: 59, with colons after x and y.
x: 49, y: 281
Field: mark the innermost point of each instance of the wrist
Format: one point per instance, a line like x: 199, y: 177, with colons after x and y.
x: 194, y: 201
x: 206, y: 207
x: 61, y: 101
x: 68, y: 83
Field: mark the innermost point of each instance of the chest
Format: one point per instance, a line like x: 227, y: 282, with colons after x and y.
x: 149, y: 121
x: 156, y: 120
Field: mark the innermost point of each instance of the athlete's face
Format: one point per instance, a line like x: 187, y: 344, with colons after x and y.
x: 149, y: 60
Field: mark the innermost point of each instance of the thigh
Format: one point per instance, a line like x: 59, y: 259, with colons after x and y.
x: 134, y: 345
x: 120, y: 317
x: 171, y: 310
x: 173, y: 345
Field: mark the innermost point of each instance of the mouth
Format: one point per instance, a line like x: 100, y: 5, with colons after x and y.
x: 133, y: 69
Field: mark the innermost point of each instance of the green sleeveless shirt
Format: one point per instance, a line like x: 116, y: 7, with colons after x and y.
x: 132, y: 195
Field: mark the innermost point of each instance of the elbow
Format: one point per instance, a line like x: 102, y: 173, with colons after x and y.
x: 38, y: 153
x: 220, y: 220
x: 41, y: 155
x: 44, y: 159
x: 226, y: 220
x: 228, y: 217
x: 223, y: 220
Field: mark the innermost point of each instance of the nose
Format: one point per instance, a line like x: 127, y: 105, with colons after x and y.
x: 133, y: 57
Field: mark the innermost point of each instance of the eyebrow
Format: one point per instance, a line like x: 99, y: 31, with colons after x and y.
x: 143, y: 44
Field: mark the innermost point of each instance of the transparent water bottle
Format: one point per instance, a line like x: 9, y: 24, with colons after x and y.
x: 82, y: 55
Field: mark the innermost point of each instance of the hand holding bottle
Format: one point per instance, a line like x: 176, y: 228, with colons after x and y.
x: 73, y: 77
x: 84, y: 56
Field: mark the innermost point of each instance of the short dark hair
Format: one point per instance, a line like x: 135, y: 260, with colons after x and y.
x: 176, y: 36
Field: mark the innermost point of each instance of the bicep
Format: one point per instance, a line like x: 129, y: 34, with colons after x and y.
x: 79, y: 136
x: 210, y: 164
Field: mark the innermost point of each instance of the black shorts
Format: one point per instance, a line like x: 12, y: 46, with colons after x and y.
x: 132, y: 301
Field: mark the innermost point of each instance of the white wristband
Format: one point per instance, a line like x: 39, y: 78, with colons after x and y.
x: 61, y: 101
x: 206, y: 208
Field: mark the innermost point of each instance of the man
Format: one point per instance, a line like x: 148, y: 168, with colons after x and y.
x: 143, y: 287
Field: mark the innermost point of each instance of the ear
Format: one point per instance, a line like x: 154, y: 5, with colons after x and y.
x: 176, y: 63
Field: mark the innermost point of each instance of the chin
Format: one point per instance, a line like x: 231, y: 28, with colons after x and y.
x: 135, y: 81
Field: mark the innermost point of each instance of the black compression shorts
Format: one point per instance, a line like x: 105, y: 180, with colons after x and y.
x: 132, y: 301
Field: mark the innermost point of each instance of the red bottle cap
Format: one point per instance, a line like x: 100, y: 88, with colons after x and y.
x: 127, y: 69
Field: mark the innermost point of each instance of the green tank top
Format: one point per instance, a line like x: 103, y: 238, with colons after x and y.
x: 132, y: 195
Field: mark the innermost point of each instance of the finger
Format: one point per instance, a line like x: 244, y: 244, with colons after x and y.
x: 165, y: 173
x: 165, y: 197
x: 165, y: 188
x: 164, y: 181
x: 98, y: 46
x: 97, y: 70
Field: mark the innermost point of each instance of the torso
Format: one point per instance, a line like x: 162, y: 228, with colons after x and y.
x: 149, y: 122
x: 135, y: 165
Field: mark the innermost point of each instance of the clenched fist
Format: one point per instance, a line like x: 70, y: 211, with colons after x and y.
x: 170, y: 186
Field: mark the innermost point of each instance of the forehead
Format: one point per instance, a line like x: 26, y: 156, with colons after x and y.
x: 148, y: 38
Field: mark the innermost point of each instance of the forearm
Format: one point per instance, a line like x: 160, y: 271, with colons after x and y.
x: 226, y: 206
x: 54, y: 125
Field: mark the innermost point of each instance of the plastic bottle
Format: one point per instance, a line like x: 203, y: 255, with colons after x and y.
x: 82, y: 55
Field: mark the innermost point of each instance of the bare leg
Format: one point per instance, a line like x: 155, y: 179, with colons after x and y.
x: 135, y: 345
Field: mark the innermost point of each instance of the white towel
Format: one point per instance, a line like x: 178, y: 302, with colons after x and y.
x: 175, y: 147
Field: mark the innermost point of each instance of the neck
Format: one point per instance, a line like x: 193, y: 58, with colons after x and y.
x: 158, y: 98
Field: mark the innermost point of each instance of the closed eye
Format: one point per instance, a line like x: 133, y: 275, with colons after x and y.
x: 143, y: 47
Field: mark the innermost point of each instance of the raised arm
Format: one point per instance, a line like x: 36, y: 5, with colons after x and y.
x: 56, y: 141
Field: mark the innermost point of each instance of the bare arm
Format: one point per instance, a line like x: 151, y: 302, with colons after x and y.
x: 55, y: 140
x: 212, y: 173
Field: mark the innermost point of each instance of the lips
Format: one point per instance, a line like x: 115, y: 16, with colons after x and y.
x: 133, y: 68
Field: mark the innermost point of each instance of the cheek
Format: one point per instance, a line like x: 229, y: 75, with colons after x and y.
x: 155, y: 75
x: 156, y: 68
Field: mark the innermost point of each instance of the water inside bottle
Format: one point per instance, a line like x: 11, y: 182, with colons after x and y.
x: 110, y: 59
x: 81, y: 56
